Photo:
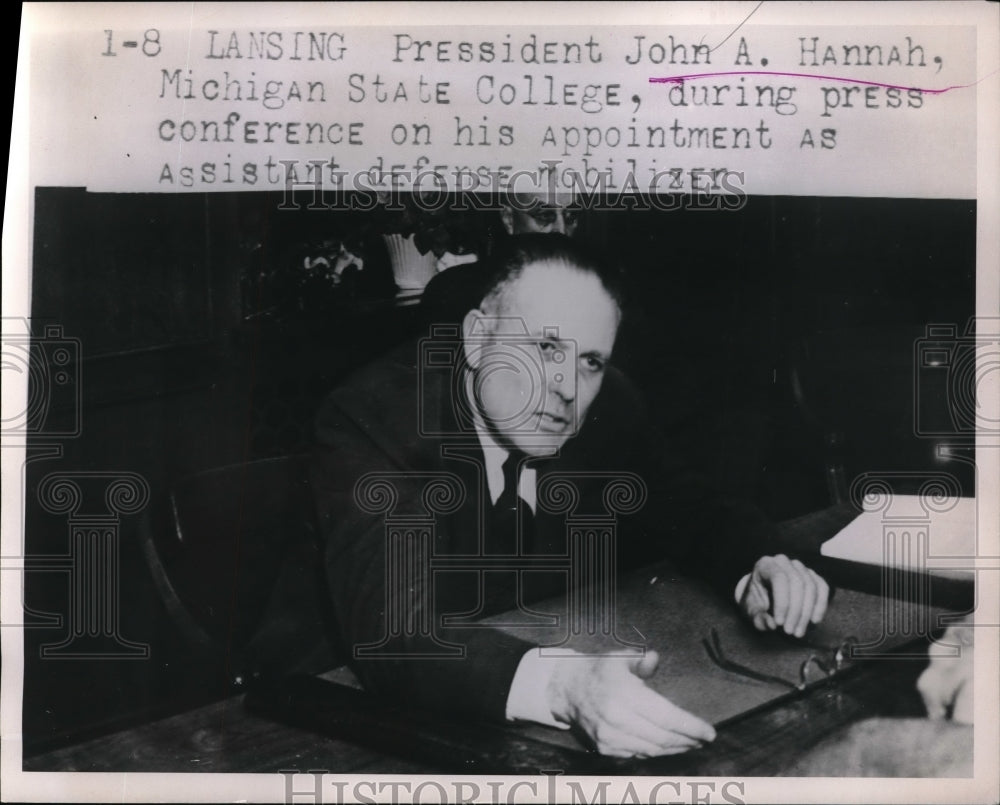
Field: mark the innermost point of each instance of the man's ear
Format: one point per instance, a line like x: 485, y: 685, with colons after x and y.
x: 507, y: 217
x: 472, y: 336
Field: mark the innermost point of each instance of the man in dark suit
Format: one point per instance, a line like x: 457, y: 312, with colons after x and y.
x: 474, y: 426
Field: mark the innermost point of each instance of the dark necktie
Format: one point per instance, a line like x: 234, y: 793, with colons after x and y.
x: 504, y: 517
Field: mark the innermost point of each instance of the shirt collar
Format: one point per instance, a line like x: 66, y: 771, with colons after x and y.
x: 495, y: 456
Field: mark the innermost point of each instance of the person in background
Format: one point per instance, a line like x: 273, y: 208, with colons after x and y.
x: 455, y: 287
x: 540, y: 212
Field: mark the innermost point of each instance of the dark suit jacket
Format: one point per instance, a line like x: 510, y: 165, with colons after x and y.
x: 372, y: 424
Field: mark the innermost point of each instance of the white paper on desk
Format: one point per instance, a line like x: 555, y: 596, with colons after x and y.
x: 895, y: 537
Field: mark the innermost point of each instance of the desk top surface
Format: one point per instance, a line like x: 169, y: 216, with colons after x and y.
x: 762, y: 726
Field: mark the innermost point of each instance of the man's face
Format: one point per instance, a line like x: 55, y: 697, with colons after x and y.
x: 533, y: 390
x: 537, y: 213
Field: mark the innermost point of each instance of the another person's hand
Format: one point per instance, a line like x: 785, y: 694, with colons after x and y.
x: 608, y: 700
x: 784, y: 593
x: 946, y: 684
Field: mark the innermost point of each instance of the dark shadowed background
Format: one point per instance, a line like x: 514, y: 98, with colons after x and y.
x: 775, y: 342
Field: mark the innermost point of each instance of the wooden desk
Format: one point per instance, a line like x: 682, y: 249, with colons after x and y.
x: 220, y: 737
x: 226, y: 737
x: 762, y: 734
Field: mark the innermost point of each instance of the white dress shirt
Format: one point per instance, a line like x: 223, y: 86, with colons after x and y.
x: 528, y: 698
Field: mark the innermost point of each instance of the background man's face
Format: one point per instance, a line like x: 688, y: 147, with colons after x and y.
x: 540, y: 213
x: 534, y: 392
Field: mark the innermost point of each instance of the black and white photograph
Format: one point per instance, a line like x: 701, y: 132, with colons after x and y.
x: 439, y: 412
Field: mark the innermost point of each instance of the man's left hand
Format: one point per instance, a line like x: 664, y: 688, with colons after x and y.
x: 784, y: 593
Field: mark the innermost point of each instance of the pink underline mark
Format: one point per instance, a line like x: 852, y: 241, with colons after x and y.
x: 680, y: 79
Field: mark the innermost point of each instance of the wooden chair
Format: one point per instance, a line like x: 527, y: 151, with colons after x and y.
x: 239, y: 571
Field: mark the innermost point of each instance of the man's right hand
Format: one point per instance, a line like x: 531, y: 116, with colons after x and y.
x: 606, y: 697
